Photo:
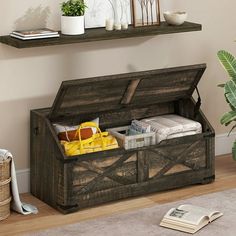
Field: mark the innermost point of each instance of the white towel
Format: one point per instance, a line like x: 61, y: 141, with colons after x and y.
x: 16, y: 203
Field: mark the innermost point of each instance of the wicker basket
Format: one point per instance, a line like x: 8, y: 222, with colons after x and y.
x: 5, y: 193
x: 5, y: 209
x: 133, y: 141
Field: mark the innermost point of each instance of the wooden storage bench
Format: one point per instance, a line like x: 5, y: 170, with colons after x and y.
x: 72, y: 183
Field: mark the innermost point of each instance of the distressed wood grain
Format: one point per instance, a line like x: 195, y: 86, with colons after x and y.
x: 76, y: 182
x: 100, y: 34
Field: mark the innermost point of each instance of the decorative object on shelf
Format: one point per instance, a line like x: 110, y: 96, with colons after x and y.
x: 175, y: 18
x: 109, y: 24
x: 229, y: 63
x: 34, y: 34
x: 117, y: 22
x: 146, y: 12
x: 72, y: 20
x: 124, y: 19
x: 112, y: 14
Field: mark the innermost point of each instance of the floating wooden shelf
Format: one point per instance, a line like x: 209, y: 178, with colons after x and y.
x: 99, y: 34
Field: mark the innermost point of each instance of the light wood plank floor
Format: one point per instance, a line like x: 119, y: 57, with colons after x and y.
x: 47, y: 217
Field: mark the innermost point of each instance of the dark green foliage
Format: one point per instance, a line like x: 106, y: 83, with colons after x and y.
x: 228, y: 61
x: 234, y: 150
x: 228, y: 117
x: 221, y: 85
x: 73, y: 8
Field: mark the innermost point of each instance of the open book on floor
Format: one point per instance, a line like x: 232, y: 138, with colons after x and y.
x: 189, y: 218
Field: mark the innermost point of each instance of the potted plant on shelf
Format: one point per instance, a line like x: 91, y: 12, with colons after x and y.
x: 72, y: 19
x: 229, y: 63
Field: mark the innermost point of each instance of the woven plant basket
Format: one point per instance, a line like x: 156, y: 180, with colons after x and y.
x: 5, y: 209
x: 5, y: 193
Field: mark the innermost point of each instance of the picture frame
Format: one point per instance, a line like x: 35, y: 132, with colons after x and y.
x: 98, y: 11
x: 146, y: 12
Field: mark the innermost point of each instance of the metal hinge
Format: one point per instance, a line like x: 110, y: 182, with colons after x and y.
x: 198, y: 103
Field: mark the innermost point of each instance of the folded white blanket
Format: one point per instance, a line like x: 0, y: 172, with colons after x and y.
x: 172, y: 126
x: 16, y: 203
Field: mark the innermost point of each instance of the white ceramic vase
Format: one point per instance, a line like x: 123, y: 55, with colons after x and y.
x: 72, y: 25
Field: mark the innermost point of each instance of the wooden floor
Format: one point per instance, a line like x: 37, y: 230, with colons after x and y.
x: 47, y: 217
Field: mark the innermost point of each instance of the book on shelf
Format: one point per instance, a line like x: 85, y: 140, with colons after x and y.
x: 34, y: 34
x: 35, y: 37
x: 189, y: 218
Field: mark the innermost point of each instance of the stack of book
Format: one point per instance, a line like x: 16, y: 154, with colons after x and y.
x: 35, y: 34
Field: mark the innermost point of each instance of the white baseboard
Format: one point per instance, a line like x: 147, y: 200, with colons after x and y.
x: 223, y: 145
x: 23, y: 180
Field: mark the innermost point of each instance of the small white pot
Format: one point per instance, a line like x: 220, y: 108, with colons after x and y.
x: 72, y: 25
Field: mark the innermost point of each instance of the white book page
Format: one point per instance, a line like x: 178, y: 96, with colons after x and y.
x: 211, y: 214
x: 190, y: 214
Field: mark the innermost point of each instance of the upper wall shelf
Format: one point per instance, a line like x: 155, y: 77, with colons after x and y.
x: 99, y: 34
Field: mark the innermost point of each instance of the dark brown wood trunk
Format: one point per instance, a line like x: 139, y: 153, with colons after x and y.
x: 76, y: 182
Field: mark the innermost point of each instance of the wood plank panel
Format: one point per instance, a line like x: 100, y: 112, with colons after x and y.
x: 98, y: 34
x: 48, y: 217
x: 119, y: 117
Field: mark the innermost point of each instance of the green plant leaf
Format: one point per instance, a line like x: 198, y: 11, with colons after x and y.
x: 231, y: 130
x: 232, y: 108
x: 73, y: 8
x: 228, y: 117
x: 234, y: 150
x: 221, y: 85
x: 230, y: 92
x: 228, y: 61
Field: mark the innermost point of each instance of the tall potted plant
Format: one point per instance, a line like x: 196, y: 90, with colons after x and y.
x: 72, y: 19
x: 229, y: 63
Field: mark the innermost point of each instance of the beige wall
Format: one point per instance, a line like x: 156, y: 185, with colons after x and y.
x: 30, y: 77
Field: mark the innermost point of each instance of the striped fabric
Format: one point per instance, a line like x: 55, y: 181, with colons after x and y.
x: 172, y: 126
